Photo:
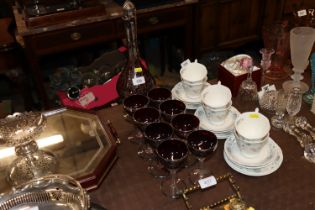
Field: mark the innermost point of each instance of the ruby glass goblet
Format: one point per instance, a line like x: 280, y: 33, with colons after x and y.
x: 155, y: 134
x: 130, y: 105
x: 201, y: 143
x: 183, y: 125
x: 172, y: 154
x: 142, y: 118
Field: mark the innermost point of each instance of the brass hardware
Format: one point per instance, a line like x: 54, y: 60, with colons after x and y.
x: 75, y: 36
x: 154, y: 20
x: 226, y: 177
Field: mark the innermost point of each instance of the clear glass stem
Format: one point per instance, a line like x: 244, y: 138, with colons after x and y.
x: 173, y: 173
x: 201, y: 163
x: 297, y: 75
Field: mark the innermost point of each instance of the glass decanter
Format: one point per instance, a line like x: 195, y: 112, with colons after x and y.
x: 135, y: 78
x: 309, y: 95
x: 20, y: 130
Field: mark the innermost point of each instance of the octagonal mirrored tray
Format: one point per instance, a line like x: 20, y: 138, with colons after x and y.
x: 82, y: 144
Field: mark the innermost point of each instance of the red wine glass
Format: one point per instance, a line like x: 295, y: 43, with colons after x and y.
x: 201, y: 143
x: 155, y: 134
x: 183, y: 125
x: 172, y: 154
x: 142, y: 118
x: 131, y: 104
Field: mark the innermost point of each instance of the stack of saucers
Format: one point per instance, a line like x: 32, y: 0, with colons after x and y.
x: 193, y: 81
x: 217, y: 113
x: 222, y: 131
x: 250, y: 150
x: 268, y: 161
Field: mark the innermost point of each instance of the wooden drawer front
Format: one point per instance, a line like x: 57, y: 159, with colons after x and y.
x: 163, y: 19
x: 73, y: 37
x: 159, y: 20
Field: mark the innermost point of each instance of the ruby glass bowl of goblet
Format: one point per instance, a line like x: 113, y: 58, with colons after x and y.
x: 135, y: 102
x: 184, y: 124
x: 202, y: 143
x: 145, y: 116
x: 158, y: 95
x: 172, y: 153
x: 171, y: 108
x: 156, y: 133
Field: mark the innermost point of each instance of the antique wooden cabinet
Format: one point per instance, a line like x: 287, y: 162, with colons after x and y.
x: 231, y: 23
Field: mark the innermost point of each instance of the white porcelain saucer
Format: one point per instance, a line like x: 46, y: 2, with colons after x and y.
x: 178, y: 93
x: 233, y: 152
x: 277, y: 158
x: 226, y: 127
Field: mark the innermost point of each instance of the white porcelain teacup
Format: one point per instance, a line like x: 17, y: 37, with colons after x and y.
x: 251, y: 133
x: 216, y: 102
x: 252, y: 125
x: 216, y: 96
x: 216, y: 116
x: 194, y: 78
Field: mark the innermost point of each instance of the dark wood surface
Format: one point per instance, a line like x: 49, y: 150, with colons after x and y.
x: 6, y: 39
x: 129, y: 186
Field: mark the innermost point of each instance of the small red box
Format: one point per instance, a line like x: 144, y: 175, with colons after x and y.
x: 234, y: 82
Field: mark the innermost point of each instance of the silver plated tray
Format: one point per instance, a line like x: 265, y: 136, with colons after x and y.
x: 53, y: 192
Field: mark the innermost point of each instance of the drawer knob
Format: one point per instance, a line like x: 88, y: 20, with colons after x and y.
x: 154, y: 20
x: 75, y: 36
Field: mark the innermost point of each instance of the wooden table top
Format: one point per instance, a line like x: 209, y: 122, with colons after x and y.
x: 130, y: 186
